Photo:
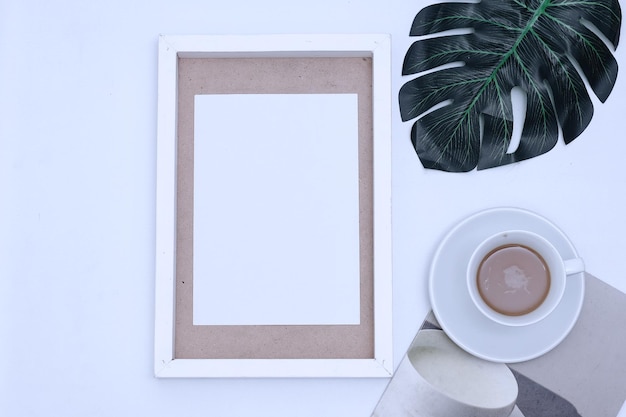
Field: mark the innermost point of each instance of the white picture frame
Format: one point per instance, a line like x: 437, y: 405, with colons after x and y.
x: 171, y: 48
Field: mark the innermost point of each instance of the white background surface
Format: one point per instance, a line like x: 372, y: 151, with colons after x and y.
x: 77, y: 179
x: 267, y: 235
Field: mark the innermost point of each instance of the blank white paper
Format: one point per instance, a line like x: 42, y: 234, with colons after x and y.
x: 276, y: 210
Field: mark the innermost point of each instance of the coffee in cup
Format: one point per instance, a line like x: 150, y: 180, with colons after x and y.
x: 517, y: 277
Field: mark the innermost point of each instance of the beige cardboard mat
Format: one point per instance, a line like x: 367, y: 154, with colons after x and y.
x: 299, y: 75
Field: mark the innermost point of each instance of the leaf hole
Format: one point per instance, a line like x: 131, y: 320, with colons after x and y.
x: 596, y: 31
x: 450, y: 32
x: 518, y: 102
x: 436, y: 107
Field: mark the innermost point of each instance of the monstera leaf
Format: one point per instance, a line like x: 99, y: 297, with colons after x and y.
x: 462, y: 93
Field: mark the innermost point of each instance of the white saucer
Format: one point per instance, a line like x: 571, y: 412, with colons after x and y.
x: 460, y: 318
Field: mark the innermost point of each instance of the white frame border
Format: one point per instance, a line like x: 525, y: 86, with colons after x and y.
x: 376, y: 46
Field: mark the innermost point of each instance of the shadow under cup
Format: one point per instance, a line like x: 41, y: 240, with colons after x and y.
x: 517, y: 277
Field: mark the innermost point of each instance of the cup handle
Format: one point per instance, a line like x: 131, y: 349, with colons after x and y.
x: 574, y: 266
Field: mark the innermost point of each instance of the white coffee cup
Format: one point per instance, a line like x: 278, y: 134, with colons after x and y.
x: 511, y: 280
